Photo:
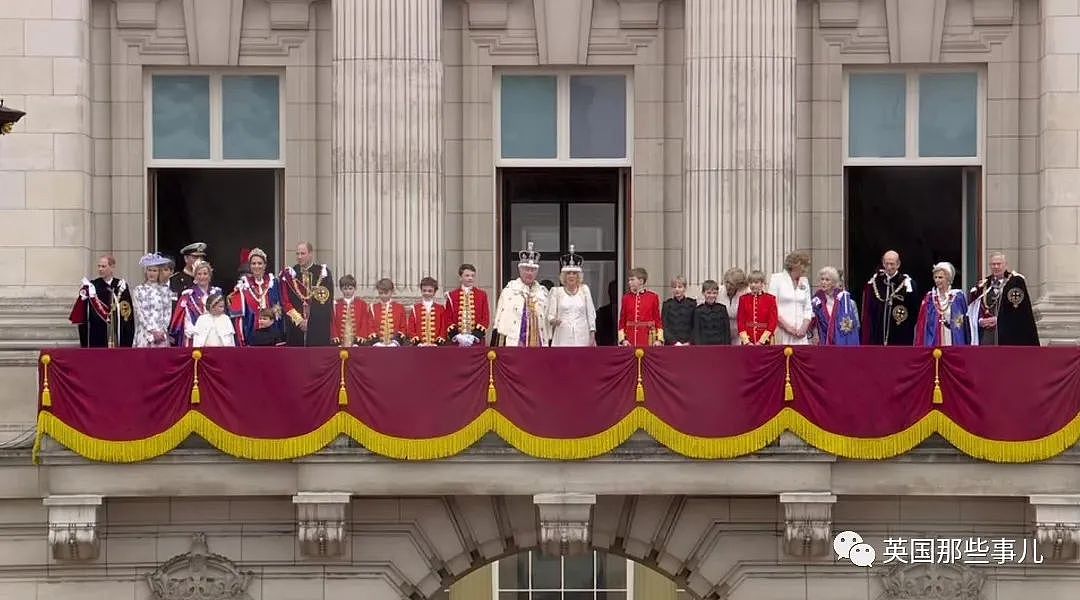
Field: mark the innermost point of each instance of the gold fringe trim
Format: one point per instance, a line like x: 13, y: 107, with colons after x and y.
x: 789, y: 392
x: 937, y: 399
x: 46, y: 395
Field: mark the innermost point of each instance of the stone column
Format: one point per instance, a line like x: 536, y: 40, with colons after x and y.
x: 1059, y: 173
x: 740, y: 135
x: 387, y: 140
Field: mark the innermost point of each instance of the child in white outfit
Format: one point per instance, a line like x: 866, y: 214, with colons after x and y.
x: 214, y: 328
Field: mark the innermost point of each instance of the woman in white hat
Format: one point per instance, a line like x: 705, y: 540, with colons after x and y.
x: 570, y: 309
x: 153, y: 305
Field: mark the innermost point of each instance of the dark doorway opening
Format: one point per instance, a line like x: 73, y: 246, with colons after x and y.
x: 927, y: 214
x: 230, y: 209
x: 559, y: 207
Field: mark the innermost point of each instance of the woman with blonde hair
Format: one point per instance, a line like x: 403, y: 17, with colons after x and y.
x: 153, y: 304
x: 570, y: 309
x: 735, y: 287
x: 192, y: 304
x: 792, y: 291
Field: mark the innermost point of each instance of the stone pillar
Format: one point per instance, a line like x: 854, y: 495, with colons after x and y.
x: 387, y: 140
x: 46, y: 162
x: 740, y: 135
x: 1059, y: 173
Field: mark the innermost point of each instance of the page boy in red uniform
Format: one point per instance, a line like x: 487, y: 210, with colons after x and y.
x: 757, y: 316
x: 468, y: 315
x: 386, y: 323
x: 350, y: 315
x: 639, y: 318
x: 428, y: 322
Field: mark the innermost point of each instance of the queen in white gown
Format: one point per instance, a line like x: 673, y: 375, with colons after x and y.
x: 570, y: 309
x: 793, y: 300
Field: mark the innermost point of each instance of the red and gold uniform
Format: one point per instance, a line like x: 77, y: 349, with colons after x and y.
x: 467, y: 313
x: 639, y: 319
x: 757, y: 318
x: 350, y: 321
x: 427, y: 324
x: 387, y: 324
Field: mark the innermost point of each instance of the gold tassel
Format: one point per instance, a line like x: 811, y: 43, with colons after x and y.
x: 493, y: 396
x: 195, y: 397
x: 639, y: 396
x: 46, y: 395
x: 938, y: 399
x: 789, y: 392
x: 343, y: 394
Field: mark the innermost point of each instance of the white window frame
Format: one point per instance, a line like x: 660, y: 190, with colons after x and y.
x: 495, y: 589
x: 911, y: 119
x: 217, y: 142
x: 562, y: 120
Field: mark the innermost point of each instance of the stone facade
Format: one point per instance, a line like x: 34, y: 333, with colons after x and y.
x: 74, y: 184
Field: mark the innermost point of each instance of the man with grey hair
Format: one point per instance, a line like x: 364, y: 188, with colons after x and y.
x: 890, y: 305
x: 999, y: 311
x: 519, y: 314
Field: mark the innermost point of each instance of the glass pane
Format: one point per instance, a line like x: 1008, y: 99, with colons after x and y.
x: 877, y: 107
x: 598, y: 116
x: 181, y: 116
x: 528, y: 116
x: 948, y: 113
x: 611, y: 573
x: 536, y: 223
x: 592, y: 227
x: 611, y: 596
x: 546, y: 572
x: 513, y: 595
x: 579, y: 596
x: 578, y: 572
x: 251, y: 117
x: 513, y: 573
x: 598, y: 275
x: 547, y: 596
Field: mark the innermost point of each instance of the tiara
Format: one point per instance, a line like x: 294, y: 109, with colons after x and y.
x: 529, y: 257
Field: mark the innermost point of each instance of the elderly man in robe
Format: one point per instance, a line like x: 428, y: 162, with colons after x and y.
x: 519, y: 314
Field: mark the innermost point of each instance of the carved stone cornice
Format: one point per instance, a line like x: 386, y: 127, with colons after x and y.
x: 487, y: 14
x: 807, y: 523
x: 198, y: 574
x: 565, y: 523
x: 73, y: 532
x: 838, y: 13
x: 563, y: 28
x: 290, y: 14
x: 1057, y: 526
x: 932, y: 582
x: 210, y: 45
x: 320, y: 520
x: 639, y: 14
x: 993, y: 12
x: 136, y: 14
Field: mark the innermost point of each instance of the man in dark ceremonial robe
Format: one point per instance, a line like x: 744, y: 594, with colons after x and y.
x: 185, y: 278
x: 103, y: 311
x: 999, y: 309
x: 308, y: 300
x: 890, y: 305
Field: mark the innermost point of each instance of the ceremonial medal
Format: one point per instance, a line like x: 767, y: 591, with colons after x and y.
x: 125, y: 310
x: 1015, y: 296
x: 847, y: 325
x: 899, y: 314
x: 320, y: 294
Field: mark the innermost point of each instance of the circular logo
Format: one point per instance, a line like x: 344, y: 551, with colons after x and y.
x: 899, y: 314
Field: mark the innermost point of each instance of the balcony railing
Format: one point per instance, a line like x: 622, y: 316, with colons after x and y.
x: 1000, y: 404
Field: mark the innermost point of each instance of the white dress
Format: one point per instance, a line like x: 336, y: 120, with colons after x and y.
x: 792, y: 305
x: 576, y: 315
x: 211, y: 330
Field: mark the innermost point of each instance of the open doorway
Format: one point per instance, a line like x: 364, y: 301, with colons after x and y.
x: 558, y: 207
x: 232, y: 210
x: 927, y: 214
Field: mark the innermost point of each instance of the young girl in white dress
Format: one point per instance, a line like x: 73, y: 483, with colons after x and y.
x: 570, y: 308
x: 214, y: 328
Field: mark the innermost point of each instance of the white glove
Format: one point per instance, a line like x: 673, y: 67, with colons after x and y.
x: 473, y: 340
x: 464, y: 340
